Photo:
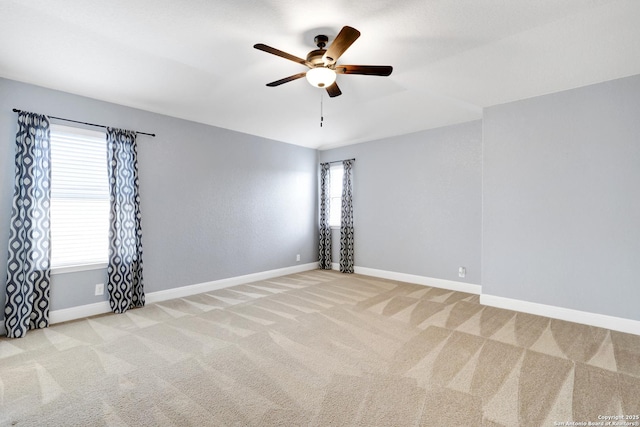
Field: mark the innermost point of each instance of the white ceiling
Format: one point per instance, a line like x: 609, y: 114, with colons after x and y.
x: 194, y: 59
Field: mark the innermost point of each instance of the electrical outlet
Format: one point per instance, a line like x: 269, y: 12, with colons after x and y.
x: 462, y: 272
x: 298, y: 257
x: 100, y: 289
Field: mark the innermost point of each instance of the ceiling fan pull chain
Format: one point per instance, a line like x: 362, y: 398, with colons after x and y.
x: 321, y: 110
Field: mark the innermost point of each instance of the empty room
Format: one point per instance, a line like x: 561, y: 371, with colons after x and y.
x: 294, y: 213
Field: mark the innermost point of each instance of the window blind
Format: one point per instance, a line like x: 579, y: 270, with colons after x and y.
x: 335, y: 207
x: 79, y: 197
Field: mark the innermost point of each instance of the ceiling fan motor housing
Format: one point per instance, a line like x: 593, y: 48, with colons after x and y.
x: 315, y: 57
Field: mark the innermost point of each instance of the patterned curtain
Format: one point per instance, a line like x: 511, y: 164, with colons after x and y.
x: 125, y: 233
x: 325, y: 229
x: 346, y: 222
x: 28, y: 266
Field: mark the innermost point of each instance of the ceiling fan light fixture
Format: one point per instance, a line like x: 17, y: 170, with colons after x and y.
x: 321, y: 77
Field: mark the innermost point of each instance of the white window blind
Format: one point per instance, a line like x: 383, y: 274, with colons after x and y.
x: 79, y: 197
x: 335, y: 210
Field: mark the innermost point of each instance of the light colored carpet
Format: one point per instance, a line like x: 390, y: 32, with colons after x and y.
x: 321, y: 349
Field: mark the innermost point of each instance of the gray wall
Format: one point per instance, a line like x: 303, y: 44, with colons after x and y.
x: 417, y: 202
x: 561, y: 201
x: 215, y: 203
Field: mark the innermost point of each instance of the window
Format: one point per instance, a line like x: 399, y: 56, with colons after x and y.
x: 335, y: 194
x: 79, y: 197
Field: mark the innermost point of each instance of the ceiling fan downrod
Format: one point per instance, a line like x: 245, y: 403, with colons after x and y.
x: 321, y: 41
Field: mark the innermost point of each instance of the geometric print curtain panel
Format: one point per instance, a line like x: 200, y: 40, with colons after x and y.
x: 346, y: 223
x: 324, y: 227
x: 28, y: 263
x: 125, y: 279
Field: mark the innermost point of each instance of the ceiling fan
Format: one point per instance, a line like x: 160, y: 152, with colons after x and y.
x: 322, y: 62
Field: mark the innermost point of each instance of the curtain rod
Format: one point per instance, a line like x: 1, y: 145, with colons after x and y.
x: 15, y: 110
x: 340, y: 161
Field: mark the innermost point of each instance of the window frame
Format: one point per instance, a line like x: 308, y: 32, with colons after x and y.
x: 79, y: 132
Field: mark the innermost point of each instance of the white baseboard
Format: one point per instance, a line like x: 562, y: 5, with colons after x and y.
x: 420, y: 280
x: 79, y: 312
x: 73, y: 313
x: 561, y: 313
x: 587, y: 318
x: 554, y: 312
x: 185, y: 291
x: 88, y: 310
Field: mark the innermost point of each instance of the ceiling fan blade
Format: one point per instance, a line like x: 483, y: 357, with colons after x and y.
x: 343, y: 40
x: 367, y: 70
x: 286, y: 79
x: 285, y: 55
x: 334, y: 90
